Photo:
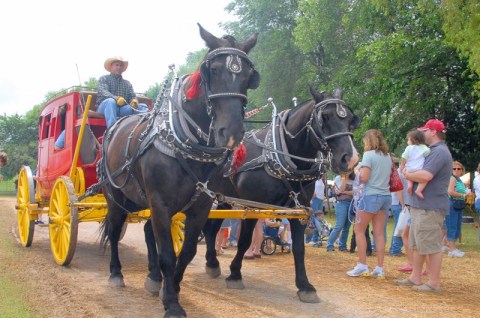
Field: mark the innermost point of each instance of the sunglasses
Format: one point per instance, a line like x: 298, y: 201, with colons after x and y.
x: 457, y: 168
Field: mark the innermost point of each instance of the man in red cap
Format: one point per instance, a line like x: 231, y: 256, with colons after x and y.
x: 428, y: 214
x: 116, y: 97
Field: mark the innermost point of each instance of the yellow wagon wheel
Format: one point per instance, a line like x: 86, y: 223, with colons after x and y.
x: 25, y: 197
x: 63, y: 226
x: 178, y: 232
x: 79, y: 181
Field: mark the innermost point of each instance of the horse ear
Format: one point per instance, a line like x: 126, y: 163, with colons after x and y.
x: 211, y: 41
x: 249, y: 43
x: 318, y: 97
x: 254, y: 80
x: 338, y: 93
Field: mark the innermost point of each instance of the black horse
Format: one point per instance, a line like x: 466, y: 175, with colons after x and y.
x: 163, y: 160
x: 281, y: 169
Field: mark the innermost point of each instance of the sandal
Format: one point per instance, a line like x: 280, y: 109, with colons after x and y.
x: 248, y: 256
x: 405, y: 282
x: 406, y: 268
x: 257, y: 255
x: 426, y: 288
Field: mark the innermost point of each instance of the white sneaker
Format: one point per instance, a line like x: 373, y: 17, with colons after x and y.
x: 359, y: 270
x: 378, y: 273
x: 456, y: 253
x: 311, y: 243
x: 445, y: 248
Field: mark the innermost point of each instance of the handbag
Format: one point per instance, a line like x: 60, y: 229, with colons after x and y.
x: 458, y: 204
x: 396, y: 183
x: 402, y: 222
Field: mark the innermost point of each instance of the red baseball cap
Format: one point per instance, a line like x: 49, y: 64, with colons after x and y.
x: 433, y: 124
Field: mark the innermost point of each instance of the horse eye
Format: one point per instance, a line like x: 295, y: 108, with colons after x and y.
x: 213, y: 71
x: 324, y: 118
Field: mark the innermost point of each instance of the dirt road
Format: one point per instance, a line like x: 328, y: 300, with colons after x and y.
x: 81, y: 290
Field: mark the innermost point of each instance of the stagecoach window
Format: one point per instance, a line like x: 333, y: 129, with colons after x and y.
x: 45, y: 128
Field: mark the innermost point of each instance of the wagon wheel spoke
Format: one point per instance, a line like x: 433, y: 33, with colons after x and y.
x: 64, y: 220
x: 25, y: 197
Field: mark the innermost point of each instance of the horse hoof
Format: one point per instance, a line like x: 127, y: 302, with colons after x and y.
x: 152, y: 287
x: 235, y: 284
x: 308, y: 297
x: 213, y: 272
x: 176, y: 312
x: 116, y: 282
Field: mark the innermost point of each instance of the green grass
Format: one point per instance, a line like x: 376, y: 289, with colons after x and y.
x: 470, y: 234
x: 13, y: 292
x: 11, y: 303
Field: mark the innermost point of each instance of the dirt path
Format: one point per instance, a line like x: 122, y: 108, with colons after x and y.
x: 81, y: 290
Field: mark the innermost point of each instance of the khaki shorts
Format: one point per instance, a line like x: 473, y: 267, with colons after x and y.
x: 425, y: 234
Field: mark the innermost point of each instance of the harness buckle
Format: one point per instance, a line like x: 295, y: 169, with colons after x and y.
x: 202, y: 187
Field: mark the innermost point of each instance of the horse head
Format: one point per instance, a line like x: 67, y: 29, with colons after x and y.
x: 333, y: 124
x: 220, y: 84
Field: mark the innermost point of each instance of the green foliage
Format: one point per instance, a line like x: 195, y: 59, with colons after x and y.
x: 18, y: 138
x: 461, y: 25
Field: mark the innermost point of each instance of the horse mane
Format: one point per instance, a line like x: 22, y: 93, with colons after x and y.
x: 193, y: 85
x: 230, y: 39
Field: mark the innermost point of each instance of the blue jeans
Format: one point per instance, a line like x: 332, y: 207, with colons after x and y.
x: 342, y: 225
x: 111, y: 111
x: 397, y: 242
x: 317, y: 204
x: 453, y: 221
x: 233, y: 230
x: 60, y: 142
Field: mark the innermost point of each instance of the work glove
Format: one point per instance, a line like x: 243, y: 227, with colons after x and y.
x: 134, y: 103
x: 121, y: 101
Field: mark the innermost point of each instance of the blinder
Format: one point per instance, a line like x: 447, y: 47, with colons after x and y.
x: 235, y: 65
x: 341, y: 110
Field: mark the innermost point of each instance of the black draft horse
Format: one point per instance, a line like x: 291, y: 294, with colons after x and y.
x: 163, y: 160
x: 280, y: 169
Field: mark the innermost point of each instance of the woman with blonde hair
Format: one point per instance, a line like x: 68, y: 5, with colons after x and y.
x: 375, y: 203
x: 457, y: 193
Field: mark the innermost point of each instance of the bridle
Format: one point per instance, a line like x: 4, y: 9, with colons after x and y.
x: 233, y: 64
x: 316, y: 120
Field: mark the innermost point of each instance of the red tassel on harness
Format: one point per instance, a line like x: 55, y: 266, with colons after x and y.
x: 239, y: 155
x: 192, y: 91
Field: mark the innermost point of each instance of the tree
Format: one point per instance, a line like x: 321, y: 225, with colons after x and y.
x: 461, y: 21
x: 18, y: 138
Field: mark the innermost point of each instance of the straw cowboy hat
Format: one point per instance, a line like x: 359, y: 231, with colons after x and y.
x: 109, y: 61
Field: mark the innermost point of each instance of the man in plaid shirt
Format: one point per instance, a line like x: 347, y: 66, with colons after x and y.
x: 115, y: 96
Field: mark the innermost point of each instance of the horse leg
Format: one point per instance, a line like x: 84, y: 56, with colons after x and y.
x: 161, y: 225
x: 153, y: 281
x: 113, y: 227
x: 212, y: 267
x: 306, y: 292
x: 234, y: 281
x: 196, y: 218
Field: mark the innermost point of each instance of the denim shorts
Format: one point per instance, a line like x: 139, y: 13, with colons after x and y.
x: 375, y: 202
